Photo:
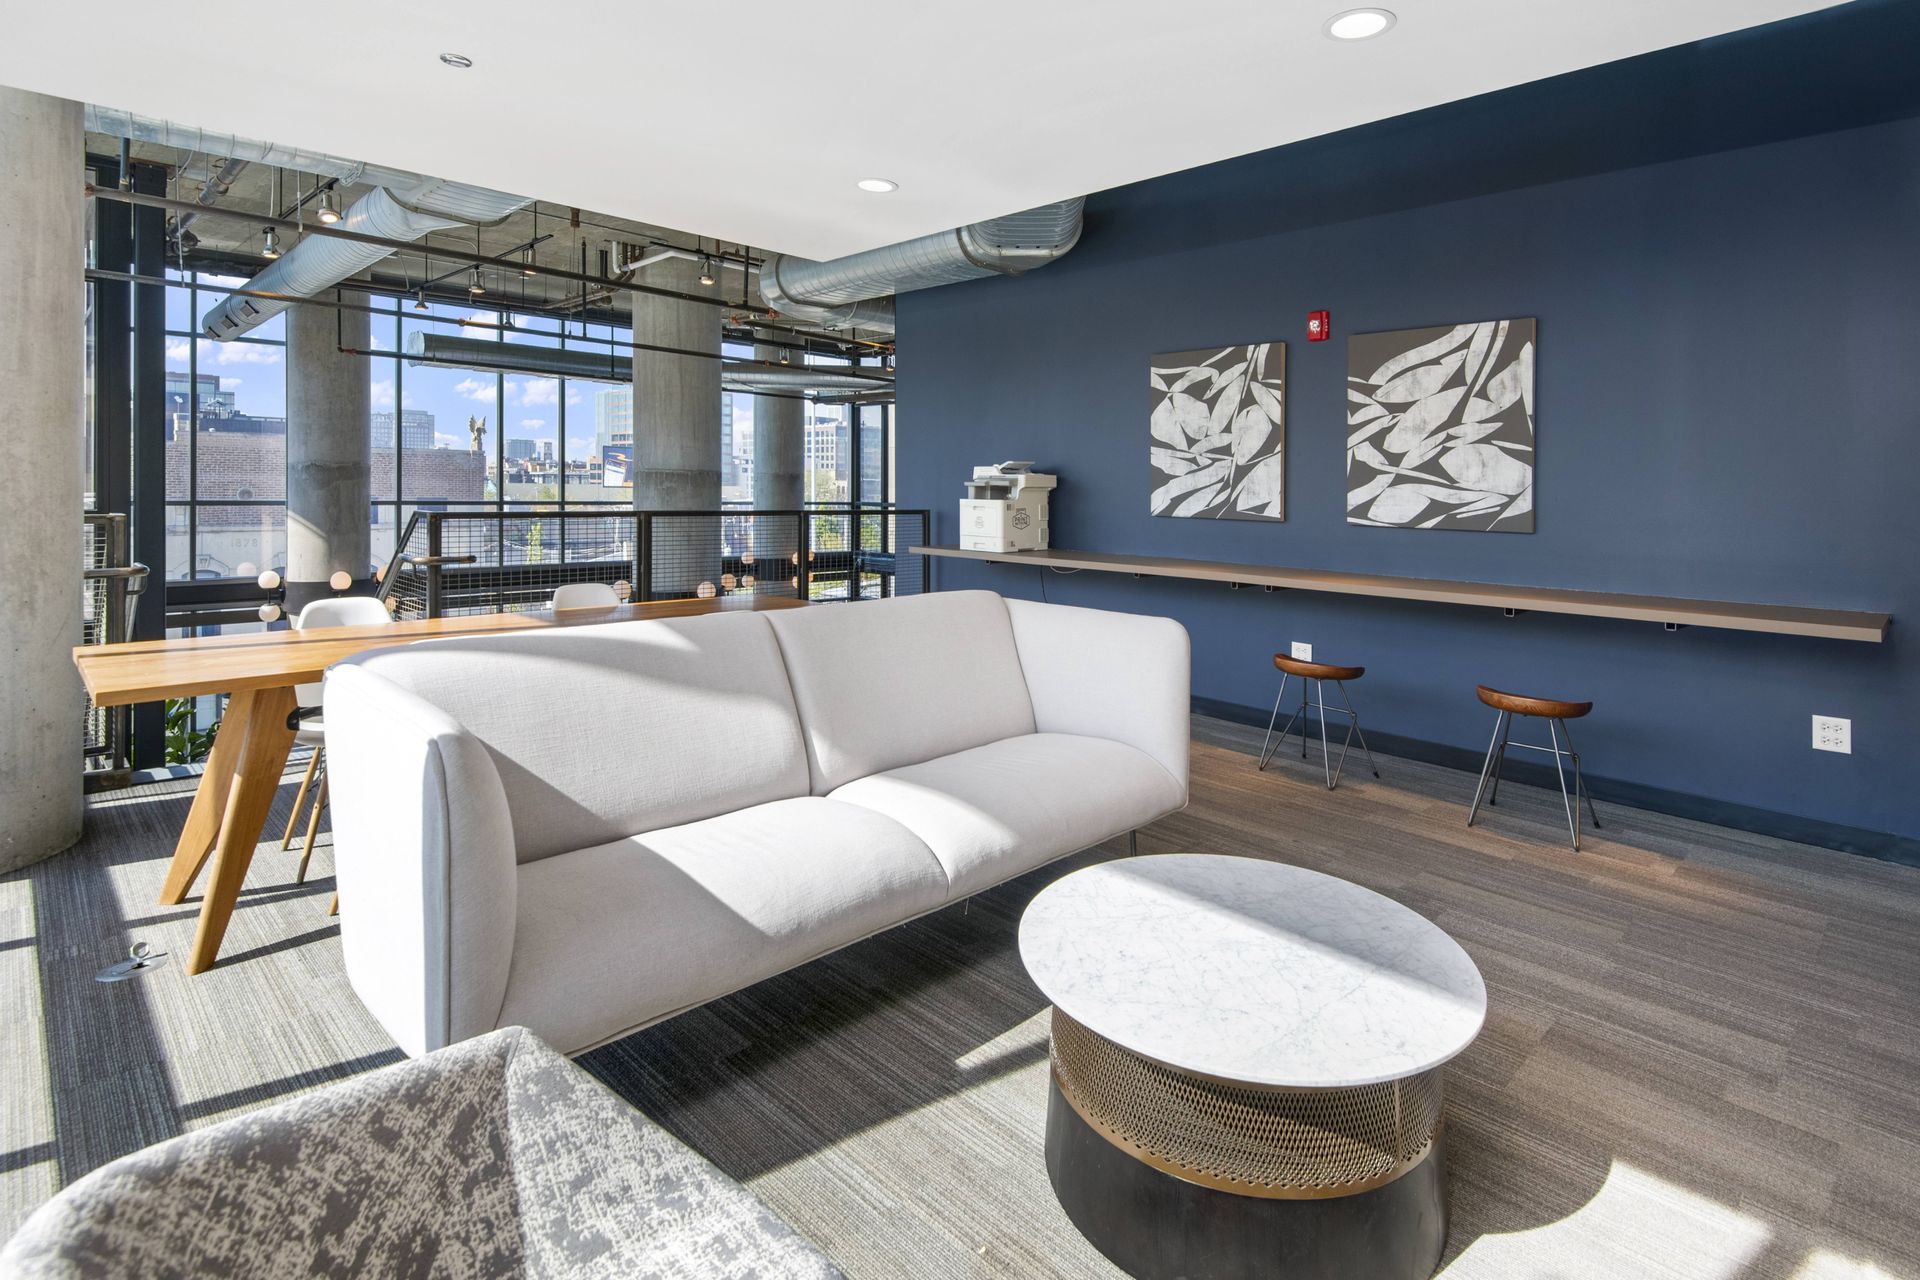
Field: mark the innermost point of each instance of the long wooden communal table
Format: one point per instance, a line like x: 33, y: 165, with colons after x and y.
x: 260, y: 670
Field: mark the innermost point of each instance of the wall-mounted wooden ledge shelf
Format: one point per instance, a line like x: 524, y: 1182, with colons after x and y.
x: 1787, y: 620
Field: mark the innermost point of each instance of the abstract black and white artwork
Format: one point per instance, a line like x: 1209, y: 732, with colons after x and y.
x: 1440, y: 427
x: 1219, y: 429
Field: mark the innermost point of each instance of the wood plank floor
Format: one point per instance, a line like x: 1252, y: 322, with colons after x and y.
x: 1702, y: 1057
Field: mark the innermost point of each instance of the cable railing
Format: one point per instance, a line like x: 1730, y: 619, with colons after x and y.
x: 463, y: 562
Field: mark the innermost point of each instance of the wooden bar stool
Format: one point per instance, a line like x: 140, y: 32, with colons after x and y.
x: 1556, y: 714
x: 1316, y: 673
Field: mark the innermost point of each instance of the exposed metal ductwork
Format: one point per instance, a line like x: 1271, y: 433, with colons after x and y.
x: 404, y: 206
x: 219, y: 182
x: 844, y: 382
x: 318, y: 263
x: 186, y: 137
x: 856, y: 291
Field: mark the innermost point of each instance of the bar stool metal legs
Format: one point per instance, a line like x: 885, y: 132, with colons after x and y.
x: 1489, y: 786
x: 1329, y: 767
x: 1579, y: 787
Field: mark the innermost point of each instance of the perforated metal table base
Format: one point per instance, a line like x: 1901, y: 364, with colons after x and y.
x: 1178, y: 1177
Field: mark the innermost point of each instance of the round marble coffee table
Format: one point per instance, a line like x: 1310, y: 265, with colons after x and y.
x: 1246, y: 1067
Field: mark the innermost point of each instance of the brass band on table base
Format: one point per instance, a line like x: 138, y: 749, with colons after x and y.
x: 1270, y: 1143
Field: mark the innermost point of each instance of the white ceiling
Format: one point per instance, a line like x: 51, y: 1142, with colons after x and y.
x: 752, y: 122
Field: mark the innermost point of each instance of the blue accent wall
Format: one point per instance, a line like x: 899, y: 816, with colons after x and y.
x: 1728, y: 404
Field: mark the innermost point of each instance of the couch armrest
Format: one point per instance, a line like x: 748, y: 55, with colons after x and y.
x: 423, y: 851
x: 1122, y: 676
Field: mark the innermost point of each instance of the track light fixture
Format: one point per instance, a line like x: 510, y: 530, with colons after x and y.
x: 420, y: 300
x: 329, y: 212
x: 706, y: 272
x: 474, y: 284
x: 526, y: 264
x: 269, y: 243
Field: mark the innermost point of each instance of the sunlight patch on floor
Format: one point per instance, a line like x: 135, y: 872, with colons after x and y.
x: 1637, y: 1225
x: 1014, y: 1045
x: 1824, y: 1264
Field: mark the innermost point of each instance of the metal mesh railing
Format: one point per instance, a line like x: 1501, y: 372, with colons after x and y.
x: 109, y: 583
x: 1277, y: 1143
x: 462, y: 562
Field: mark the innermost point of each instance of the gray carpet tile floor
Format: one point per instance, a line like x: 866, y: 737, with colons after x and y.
x: 1702, y: 1056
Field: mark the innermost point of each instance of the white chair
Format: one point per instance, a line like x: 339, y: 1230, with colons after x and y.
x: 585, y: 595
x: 343, y: 611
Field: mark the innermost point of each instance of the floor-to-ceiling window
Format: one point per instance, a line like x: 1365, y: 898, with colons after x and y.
x: 226, y: 429
x: 441, y: 437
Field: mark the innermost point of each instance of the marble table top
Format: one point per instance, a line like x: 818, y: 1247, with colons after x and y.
x: 1252, y: 971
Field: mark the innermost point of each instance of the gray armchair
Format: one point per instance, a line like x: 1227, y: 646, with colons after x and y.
x: 492, y: 1157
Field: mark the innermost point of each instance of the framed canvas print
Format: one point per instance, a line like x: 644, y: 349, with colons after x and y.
x: 1440, y: 427
x: 1219, y: 427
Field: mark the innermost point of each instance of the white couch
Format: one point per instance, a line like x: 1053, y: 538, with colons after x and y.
x: 586, y: 830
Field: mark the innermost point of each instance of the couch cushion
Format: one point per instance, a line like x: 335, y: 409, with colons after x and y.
x: 602, y: 731
x: 622, y: 934
x: 995, y: 811
x: 885, y: 683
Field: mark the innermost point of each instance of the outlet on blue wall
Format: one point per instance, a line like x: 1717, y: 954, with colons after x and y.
x: 1728, y: 407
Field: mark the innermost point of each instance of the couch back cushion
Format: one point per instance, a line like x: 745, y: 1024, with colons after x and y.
x: 886, y: 683
x: 602, y: 732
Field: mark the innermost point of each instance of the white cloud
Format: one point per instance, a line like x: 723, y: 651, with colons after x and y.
x: 534, y: 391
x: 533, y: 424
x: 381, y: 393
x: 474, y: 389
x: 231, y: 353
x: 378, y: 343
x: 177, y: 350
x: 573, y: 395
x: 445, y: 441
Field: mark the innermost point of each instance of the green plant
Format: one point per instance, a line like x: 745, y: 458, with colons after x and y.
x: 186, y: 744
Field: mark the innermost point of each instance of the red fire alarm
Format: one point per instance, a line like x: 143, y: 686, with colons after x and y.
x: 1319, y: 326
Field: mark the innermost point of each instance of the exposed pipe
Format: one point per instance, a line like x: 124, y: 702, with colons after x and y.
x: 436, y: 251
x: 186, y: 137
x: 320, y: 262
x: 218, y: 183
x: 404, y: 206
x: 559, y: 362
x: 856, y: 291
x: 316, y: 264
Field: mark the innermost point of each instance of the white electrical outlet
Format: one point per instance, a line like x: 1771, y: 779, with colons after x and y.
x: 1831, y: 733
x: 1302, y: 652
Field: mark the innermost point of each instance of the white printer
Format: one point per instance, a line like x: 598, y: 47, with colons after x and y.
x: 1005, y: 509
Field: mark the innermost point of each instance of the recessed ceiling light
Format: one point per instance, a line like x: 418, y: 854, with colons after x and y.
x: 456, y: 60
x: 1359, y: 24
x: 880, y: 185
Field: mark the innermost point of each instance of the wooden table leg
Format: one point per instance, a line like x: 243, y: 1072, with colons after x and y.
x: 209, y: 803
x: 256, y: 777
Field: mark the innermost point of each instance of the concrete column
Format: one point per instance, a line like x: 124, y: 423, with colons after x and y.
x: 42, y: 368
x: 779, y: 475
x: 676, y: 399
x: 329, y: 450
x: 779, y: 447
x: 676, y: 429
